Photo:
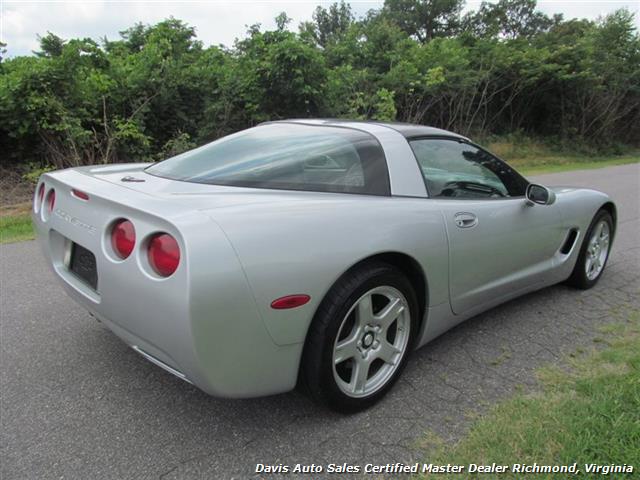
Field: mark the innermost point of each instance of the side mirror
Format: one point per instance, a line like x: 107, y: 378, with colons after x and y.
x: 540, y: 195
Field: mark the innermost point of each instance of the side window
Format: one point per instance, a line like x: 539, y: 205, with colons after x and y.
x: 453, y: 169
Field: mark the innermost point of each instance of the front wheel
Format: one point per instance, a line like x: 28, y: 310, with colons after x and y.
x: 594, y: 252
x: 360, y: 338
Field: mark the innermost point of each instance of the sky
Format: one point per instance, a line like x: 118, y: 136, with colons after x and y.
x: 216, y: 22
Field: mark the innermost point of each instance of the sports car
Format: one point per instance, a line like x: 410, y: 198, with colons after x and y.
x: 311, y: 253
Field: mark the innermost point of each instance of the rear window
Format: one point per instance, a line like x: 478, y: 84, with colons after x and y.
x: 288, y: 157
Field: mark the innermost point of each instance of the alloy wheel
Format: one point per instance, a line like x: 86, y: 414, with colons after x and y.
x: 371, y: 342
x: 597, y: 250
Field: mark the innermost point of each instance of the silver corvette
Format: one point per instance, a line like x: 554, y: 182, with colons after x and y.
x: 316, y: 253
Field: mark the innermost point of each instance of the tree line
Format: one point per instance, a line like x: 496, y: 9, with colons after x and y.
x: 157, y: 90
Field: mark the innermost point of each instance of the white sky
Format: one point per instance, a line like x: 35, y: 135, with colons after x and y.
x: 216, y: 22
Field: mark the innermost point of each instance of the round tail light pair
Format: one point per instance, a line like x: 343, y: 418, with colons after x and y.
x: 163, y: 251
x: 51, y: 198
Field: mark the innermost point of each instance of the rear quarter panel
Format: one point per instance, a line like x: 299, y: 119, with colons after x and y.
x: 304, y: 246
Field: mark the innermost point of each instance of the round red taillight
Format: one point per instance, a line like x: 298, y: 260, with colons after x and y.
x: 164, y: 254
x: 123, y: 238
x: 51, y: 199
x: 40, y: 194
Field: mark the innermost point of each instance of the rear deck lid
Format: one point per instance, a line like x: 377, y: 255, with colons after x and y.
x: 198, y: 196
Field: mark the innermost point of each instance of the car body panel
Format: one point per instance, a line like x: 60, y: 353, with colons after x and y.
x: 211, y: 323
x: 511, y: 245
x: 317, y: 240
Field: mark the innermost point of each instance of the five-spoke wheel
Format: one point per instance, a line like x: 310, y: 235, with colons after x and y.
x: 371, y: 341
x: 359, y: 340
x: 594, y: 252
x: 597, y: 250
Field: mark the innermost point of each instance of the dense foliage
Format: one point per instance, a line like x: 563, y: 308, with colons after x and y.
x: 157, y: 90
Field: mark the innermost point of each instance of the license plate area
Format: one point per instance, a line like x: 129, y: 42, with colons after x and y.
x: 83, y: 265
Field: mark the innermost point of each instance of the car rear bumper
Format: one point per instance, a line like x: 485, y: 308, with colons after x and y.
x: 200, y: 324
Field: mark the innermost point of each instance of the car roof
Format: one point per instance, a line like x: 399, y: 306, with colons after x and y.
x: 408, y: 130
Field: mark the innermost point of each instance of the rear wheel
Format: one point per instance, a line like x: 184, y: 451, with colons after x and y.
x: 359, y: 340
x: 594, y: 252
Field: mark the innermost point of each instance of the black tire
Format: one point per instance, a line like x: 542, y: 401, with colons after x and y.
x: 579, y: 278
x: 317, y: 373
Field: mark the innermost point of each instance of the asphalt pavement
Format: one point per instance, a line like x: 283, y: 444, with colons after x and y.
x: 77, y: 403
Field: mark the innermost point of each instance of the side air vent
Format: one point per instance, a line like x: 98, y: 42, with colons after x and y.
x: 568, y: 243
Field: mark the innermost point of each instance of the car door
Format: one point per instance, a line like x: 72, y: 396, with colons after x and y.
x: 499, y: 244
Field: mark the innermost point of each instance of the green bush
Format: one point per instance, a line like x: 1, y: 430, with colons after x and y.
x: 34, y: 172
x: 505, y: 69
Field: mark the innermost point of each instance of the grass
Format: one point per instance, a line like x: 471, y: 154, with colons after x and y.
x: 531, y: 157
x: 555, y: 164
x: 15, y: 223
x: 15, y: 228
x: 587, y: 414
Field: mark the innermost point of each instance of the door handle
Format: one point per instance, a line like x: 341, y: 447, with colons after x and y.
x: 465, y: 220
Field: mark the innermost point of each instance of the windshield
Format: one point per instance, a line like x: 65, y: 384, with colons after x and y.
x: 286, y: 156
